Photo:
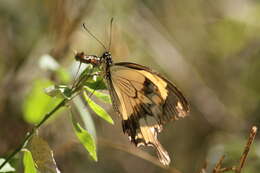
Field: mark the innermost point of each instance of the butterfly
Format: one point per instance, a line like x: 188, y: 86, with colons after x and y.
x: 144, y: 99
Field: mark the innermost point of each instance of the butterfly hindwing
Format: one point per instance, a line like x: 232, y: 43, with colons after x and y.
x: 145, y: 100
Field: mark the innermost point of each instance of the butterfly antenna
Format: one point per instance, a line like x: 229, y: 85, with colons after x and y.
x: 84, y: 26
x: 110, y: 34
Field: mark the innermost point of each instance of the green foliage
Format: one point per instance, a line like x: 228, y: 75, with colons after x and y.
x: 85, y: 116
x: 85, y: 139
x: 102, y: 96
x: 7, y: 167
x: 94, y: 78
x: 28, y: 162
x: 37, y: 103
x: 98, y: 109
x: 60, y: 91
x: 96, y: 83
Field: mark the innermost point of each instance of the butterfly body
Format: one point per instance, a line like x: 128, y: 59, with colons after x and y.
x: 144, y: 100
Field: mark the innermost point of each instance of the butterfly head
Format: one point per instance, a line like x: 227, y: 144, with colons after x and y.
x: 106, y: 58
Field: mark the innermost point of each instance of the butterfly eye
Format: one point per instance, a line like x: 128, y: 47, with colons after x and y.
x: 105, y: 54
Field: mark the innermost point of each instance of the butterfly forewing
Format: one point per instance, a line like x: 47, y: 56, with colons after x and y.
x: 147, y: 86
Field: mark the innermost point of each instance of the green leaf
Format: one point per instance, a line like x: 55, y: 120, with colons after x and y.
x: 85, y: 139
x: 98, y: 109
x: 96, y: 83
x: 7, y: 167
x: 85, y: 115
x: 102, y: 96
x: 60, y: 91
x: 28, y: 162
x: 93, y: 76
x: 87, y: 71
x: 37, y: 103
x: 42, y: 155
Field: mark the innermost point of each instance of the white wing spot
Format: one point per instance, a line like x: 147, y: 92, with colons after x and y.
x: 179, y: 107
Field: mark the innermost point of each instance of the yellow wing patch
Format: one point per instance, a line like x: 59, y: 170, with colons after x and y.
x: 160, y: 83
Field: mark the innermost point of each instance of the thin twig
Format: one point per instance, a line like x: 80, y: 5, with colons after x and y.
x: 218, y: 168
x: 30, y: 134
x: 250, y: 140
x: 233, y: 168
x: 219, y: 165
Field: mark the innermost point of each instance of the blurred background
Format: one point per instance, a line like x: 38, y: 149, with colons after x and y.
x: 209, y: 49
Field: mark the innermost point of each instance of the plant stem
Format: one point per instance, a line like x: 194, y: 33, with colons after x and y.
x: 29, y: 135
